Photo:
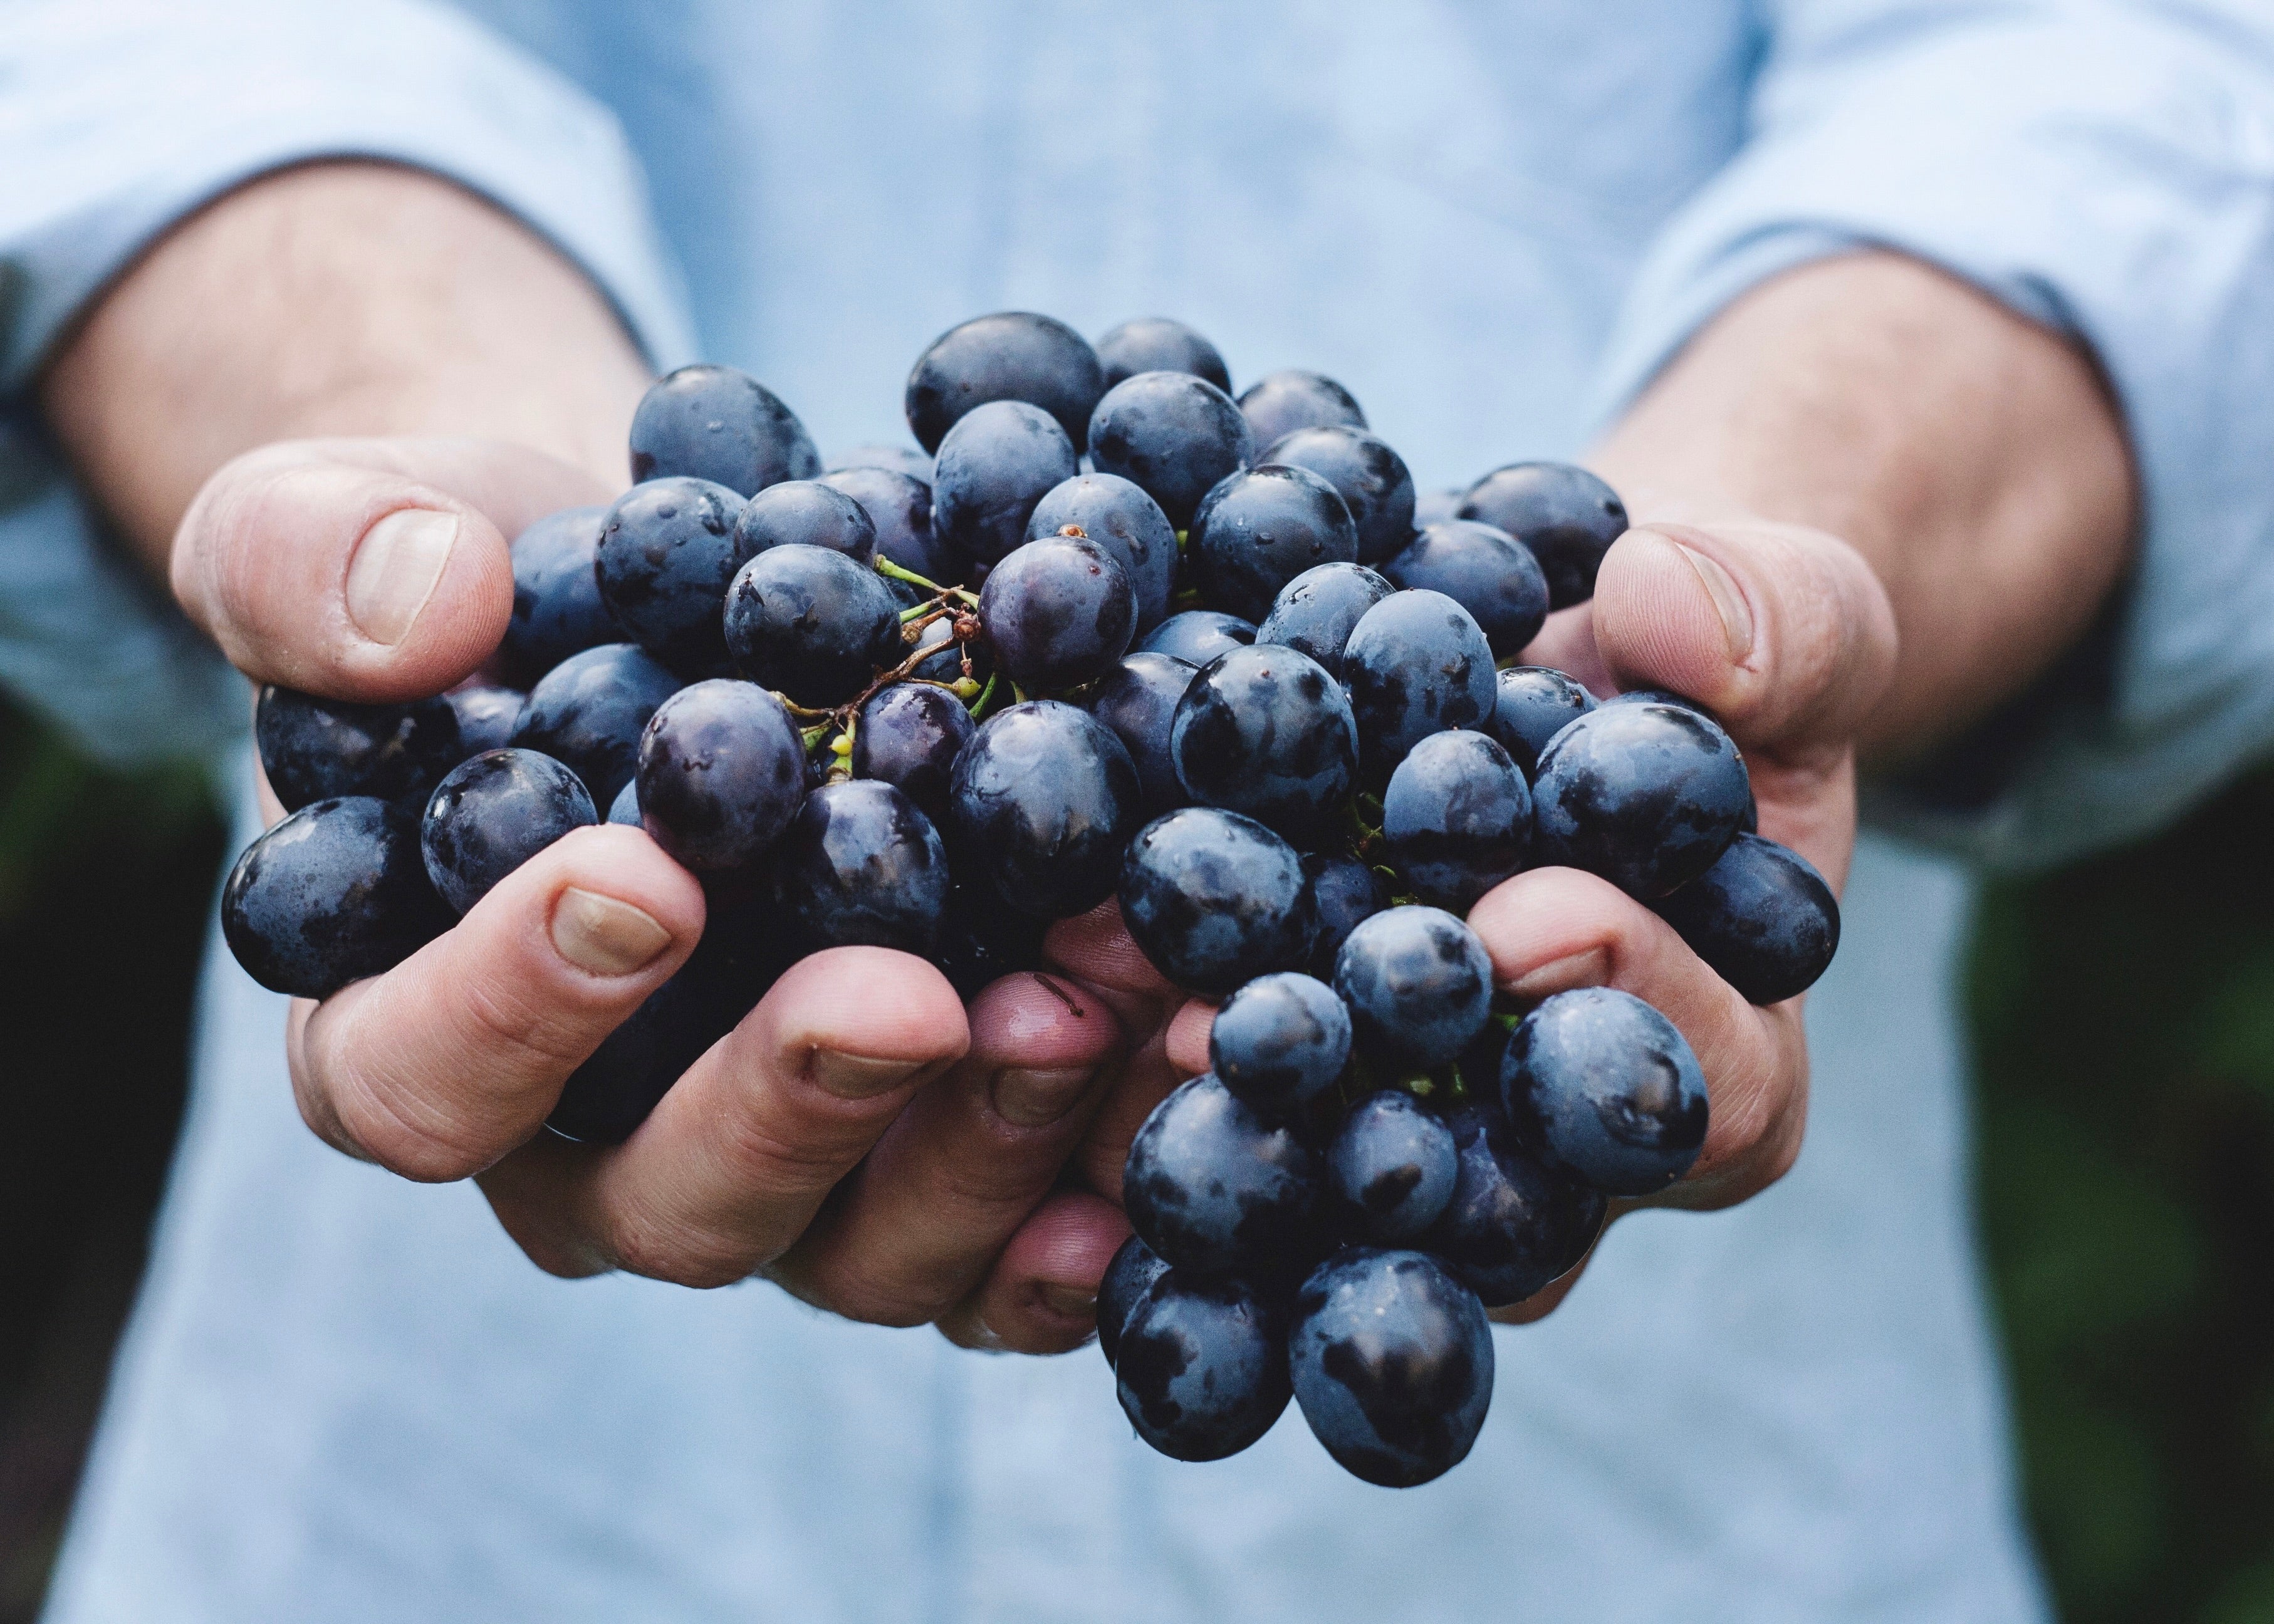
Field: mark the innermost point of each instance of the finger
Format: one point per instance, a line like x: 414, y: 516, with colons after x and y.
x: 364, y: 569
x: 1041, y: 1296
x: 915, y: 1226
x: 441, y: 1065
x: 1187, y: 1037
x: 734, y: 1161
x: 1552, y: 930
x: 1097, y: 948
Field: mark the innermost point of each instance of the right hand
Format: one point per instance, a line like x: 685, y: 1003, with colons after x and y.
x: 378, y: 570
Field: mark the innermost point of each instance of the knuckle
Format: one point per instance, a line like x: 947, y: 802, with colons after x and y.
x: 643, y: 1244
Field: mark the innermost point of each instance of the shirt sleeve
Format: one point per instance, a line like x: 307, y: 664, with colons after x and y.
x: 119, y: 119
x: 2106, y: 170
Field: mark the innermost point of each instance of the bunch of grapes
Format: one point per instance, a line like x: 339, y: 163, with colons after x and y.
x: 1093, y: 642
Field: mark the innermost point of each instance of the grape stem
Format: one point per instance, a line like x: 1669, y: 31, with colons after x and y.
x: 893, y: 571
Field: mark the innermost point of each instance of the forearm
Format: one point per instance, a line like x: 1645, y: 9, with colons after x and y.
x: 337, y: 299
x: 1973, y: 458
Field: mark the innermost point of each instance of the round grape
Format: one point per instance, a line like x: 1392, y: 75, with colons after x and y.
x: 336, y: 892
x: 1011, y: 356
x: 1645, y: 795
x: 1317, y: 611
x: 1457, y: 818
x: 316, y: 749
x: 1419, y: 985
x: 715, y: 423
x: 1568, y: 518
x: 721, y: 773
x: 1762, y: 919
x: 1370, y: 477
x: 587, y: 711
x: 1059, y: 613
x: 1157, y: 344
x: 1119, y: 516
x: 667, y: 550
x: 1264, y: 731
x: 493, y: 814
x: 995, y: 465
x: 1215, y: 899
x: 1041, y: 804
x: 1486, y: 571
x: 1603, y: 1085
x: 1173, y: 434
x: 812, y: 624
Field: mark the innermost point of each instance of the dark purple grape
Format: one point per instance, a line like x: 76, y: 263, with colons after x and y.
x: 1197, y: 635
x: 1437, y: 505
x: 587, y: 711
x: 1513, y: 1225
x: 908, y: 735
x: 1532, y: 704
x: 1457, y: 818
x: 1486, y: 571
x: 1215, y: 899
x: 1416, y: 665
x: 1391, y: 1168
x: 1157, y: 344
x: 667, y: 550
x: 860, y: 864
x: 625, y: 809
x: 806, y: 513
x: 900, y: 506
x: 485, y: 717
x: 320, y: 749
x: 1391, y: 1359
x: 1317, y: 611
x: 1011, y: 355
x: 1260, y: 528
x: 557, y: 610
x: 333, y: 893
x: 1264, y: 731
x: 1041, y: 804
x: 1202, y: 1372
x: 715, y: 423
x: 892, y: 459
x: 1128, y: 1277
x: 994, y: 467
x: 493, y: 814
x: 1279, y: 1042
x: 1762, y: 919
x: 1370, y: 477
x: 1419, y: 985
x: 811, y: 624
x: 1119, y: 516
x: 1173, y: 434
x: 1565, y: 516
x: 1279, y: 403
x: 1645, y: 795
x: 721, y: 774
x: 981, y: 941
x: 1601, y: 1085
x: 1344, y: 891
x: 1217, y: 1189
x: 1059, y: 613
x: 1137, y: 699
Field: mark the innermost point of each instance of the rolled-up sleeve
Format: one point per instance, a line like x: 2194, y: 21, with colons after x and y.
x: 2106, y: 170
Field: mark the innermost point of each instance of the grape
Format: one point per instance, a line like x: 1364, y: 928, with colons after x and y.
x: 1437, y: 505
x: 1279, y: 403
x: 333, y: 893
x: 316, y: 749
x: 1011, y: 355
x: 994, y: 466
x: 806, y: 513
x: 891, y: 459
x: 1565, y: 516
x: 1264, y: 731
x: 1601, y: 1084
x: 1217, y: 1189
x: 715, y: 423
x: 1059, y: 613
x: 1137, y: 699
x: 492, y: 814
x: 1530, y: 706
x: 1419, y: 985
x: 908, y: 735
x: 485, y: 717
x: 1157, y: 344
x: 1173, y: 434
x: 1131, y: 1272
x: 1416, y: 665
x: 1370, y: 477
x: 1512, y: 1226
x: 1202, y: 1372
x: 587, y: 712
x: 1391, y: 1167
x: 862, y: 866
x: 900, y: 506
x: 1260, y: 528
x: 721, y: 774
x: 1279, y: 1042
x: 811, y: 624
x: 1344, y: 890
x: 1762, y: 919
x: 1317, y: 609
x: 1215, y: 899
x: 1119, y: 516
x: 625, y: 809
x: 1645, y: 795
x: 667, y: 550
x: 1391, y: 1359
x: 1485, y: 571
x: 1041, y: 804
x: 557, y: 610
x: 1457, y: 818
x: 981, y: 941
x: 1197, y: 635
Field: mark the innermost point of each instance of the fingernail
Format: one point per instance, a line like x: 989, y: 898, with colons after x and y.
x: 603, y: 936
x: 857, y: 1077
x: 1034, y: 1097
x: 1068, y: 1302
x: 394, y: 568
x: 1728, y: 601
x: 1590, y: 968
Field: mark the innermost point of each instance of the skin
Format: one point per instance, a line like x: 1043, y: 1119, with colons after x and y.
x: 333, y: 345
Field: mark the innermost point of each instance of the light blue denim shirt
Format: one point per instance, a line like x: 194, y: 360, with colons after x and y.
x: 346, y: 1397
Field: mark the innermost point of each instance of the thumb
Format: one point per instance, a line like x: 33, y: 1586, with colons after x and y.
x: 365, y: 569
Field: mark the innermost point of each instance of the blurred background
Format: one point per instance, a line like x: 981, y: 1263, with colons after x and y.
x: 2124, y: 1013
